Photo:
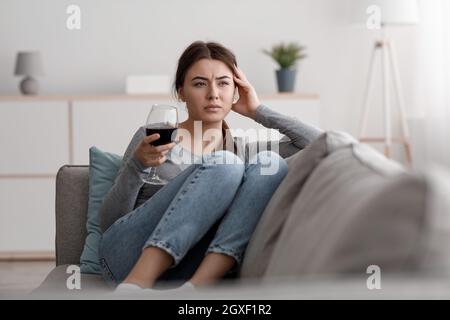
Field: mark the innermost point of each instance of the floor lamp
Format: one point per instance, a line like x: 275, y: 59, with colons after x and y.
x: 391, y: 13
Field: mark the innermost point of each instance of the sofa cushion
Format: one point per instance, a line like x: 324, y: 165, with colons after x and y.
x: 103, y: 168
x: 434, y: 253
x: 71, y: 205
x: 344, y: 216
x: 300, y: 166
x: 359, y: 209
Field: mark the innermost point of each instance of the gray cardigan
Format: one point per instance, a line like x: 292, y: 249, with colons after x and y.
x: 129, y: 191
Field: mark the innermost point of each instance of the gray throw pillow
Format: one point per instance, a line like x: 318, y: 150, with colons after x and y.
x: 359, y: 209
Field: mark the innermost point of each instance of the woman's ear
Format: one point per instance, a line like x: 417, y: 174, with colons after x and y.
x: 181, y: 95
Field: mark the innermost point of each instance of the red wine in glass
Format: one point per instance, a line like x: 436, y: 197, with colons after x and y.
x: 162, y: 119
x: 165, y: 132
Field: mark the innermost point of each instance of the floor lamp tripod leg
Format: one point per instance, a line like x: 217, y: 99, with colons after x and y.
x: 367, y: 93
x: 386, y: 100
x: 401, y: 102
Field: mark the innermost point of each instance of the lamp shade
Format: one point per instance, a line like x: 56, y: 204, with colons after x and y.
x: 29, y: 64
x: 393, y: 12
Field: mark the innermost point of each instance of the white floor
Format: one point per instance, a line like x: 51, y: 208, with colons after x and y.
x: 21, y: 277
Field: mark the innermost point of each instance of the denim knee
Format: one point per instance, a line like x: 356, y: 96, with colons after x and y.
x: 222, y: 157
x: 227, y: 164
x: 271, y: 163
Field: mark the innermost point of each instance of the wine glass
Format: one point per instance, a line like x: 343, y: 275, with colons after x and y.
x: 162, y: 119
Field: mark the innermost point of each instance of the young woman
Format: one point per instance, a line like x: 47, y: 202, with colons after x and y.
x: 197, y: 226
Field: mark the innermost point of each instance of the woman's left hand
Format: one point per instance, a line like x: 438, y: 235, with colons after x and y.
x: 248, y: 99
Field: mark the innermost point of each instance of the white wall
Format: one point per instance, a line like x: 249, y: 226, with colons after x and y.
x: 123, y: 37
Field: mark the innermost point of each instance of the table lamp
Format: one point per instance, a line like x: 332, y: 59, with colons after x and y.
x: 29, y: 64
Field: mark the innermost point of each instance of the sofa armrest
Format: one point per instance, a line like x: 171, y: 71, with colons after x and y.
x: 72, y: 194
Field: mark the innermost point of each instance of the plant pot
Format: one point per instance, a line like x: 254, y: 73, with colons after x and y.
x: 286, y: 79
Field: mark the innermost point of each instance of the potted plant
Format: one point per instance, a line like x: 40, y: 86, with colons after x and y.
x: 286, y: 55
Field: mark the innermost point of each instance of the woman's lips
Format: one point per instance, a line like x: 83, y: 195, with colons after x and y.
x: 212, y: 108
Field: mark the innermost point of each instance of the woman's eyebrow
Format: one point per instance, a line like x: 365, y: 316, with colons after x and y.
x: 204, y: 78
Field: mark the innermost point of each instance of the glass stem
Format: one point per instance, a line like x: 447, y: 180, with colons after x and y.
x: 152, y: 173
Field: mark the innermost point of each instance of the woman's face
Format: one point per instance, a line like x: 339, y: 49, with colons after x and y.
x: 208, y: 82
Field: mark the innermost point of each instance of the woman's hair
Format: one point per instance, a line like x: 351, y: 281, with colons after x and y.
x: 201, y: 50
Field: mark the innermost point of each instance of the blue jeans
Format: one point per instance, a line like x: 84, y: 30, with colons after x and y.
x: 209, y: 207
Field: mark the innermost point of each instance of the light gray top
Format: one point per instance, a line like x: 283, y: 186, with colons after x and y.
x: 129, y: 191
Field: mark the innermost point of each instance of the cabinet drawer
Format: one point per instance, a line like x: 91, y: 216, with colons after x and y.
x: 33, y: 137
x: 27, y: 215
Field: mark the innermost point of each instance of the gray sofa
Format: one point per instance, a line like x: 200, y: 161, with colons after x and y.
x: 342, y: 208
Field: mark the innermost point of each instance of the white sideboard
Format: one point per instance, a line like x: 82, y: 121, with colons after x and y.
x: 40, y: 134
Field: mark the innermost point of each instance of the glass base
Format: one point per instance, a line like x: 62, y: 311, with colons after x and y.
x: 155, y: 180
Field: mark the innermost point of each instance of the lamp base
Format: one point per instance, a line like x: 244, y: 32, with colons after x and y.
x: 29, y: 86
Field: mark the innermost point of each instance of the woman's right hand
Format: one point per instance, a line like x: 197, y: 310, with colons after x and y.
x: 151, y: 156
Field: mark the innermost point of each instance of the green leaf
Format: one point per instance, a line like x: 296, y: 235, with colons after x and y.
x: 286, y: 55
